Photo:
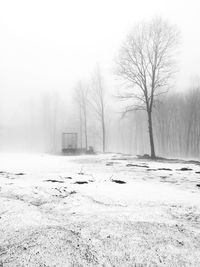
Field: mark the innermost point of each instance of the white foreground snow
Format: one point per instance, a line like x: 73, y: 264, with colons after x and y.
x: 48, y: 218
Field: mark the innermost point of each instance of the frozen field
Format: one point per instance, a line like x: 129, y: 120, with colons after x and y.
x: 102, y: 210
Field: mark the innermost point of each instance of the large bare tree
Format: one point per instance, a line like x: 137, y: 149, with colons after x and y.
x: 147, y: 63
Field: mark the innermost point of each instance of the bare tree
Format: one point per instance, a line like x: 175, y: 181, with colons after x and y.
x: 51, y: 107
x: 79, y: 102
x: 82, y: 99
x: 98, y: 103
x: 146, y: 62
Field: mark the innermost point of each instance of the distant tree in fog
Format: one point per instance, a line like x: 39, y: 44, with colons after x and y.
x: 79, y: 102
x: 98, y: 103
x: 50, y: 112
x: 81, y: 96
x: 146, y: 62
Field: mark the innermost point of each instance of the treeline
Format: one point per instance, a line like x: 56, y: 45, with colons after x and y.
x: 136, y: 116
x: 176, y: 125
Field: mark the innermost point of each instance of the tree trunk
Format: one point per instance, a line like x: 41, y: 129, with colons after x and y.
x: 153, y: 155
x: 85, y: 126
x: 86, y: 141
x: 80, y: 118
x: 103, y: 136
x: 103, y: 133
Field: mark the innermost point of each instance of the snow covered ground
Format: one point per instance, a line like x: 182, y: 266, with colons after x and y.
x: 102, y: 210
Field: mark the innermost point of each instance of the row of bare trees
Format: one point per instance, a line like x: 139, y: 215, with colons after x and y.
x: 176, y: 120
x: 156, y: 121
x: 168, y: 124
x: 177, y: 124
x: 91, y: 100
x: 146, y: 62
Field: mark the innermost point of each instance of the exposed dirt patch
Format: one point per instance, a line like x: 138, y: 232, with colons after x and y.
x: 63, y: 192
x: 81, y: 182
x: 136, y: 165
x: 53, y: 181
x: 152, y: 169
x: 164, y: 169
x: 109, y: 163
x: 184, y: 169
x: 118, y: 181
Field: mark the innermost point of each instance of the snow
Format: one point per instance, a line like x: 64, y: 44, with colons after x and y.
x: 99, y: 223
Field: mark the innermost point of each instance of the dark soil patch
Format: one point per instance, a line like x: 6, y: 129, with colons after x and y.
x: 184, y: 169
x: 72, y: 192
x: 118, y: 181
x: 81, y: 182
x: 53, y: 181
x: 164, y: 169
x: 109, y: 163
x: 136, y: 165
x: 63, y: 193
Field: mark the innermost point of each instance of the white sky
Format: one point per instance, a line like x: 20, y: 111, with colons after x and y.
x: 49, y: 44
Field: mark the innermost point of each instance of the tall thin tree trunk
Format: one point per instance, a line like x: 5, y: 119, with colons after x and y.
x: 54, y: 129
x: 80, y: 117
x: 153, y: 155
x: 103, y: 133
x: 85, y: 122
x: 188, y: 137
x: 103, y: 136
x: 86, y: 143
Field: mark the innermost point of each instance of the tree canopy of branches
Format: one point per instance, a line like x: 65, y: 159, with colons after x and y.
x: 147, y: 63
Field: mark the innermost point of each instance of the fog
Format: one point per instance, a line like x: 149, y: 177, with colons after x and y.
x: 47, y: 48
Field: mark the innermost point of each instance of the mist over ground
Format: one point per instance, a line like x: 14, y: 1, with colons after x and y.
x: 99, y: 133
x: 47, y: 49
